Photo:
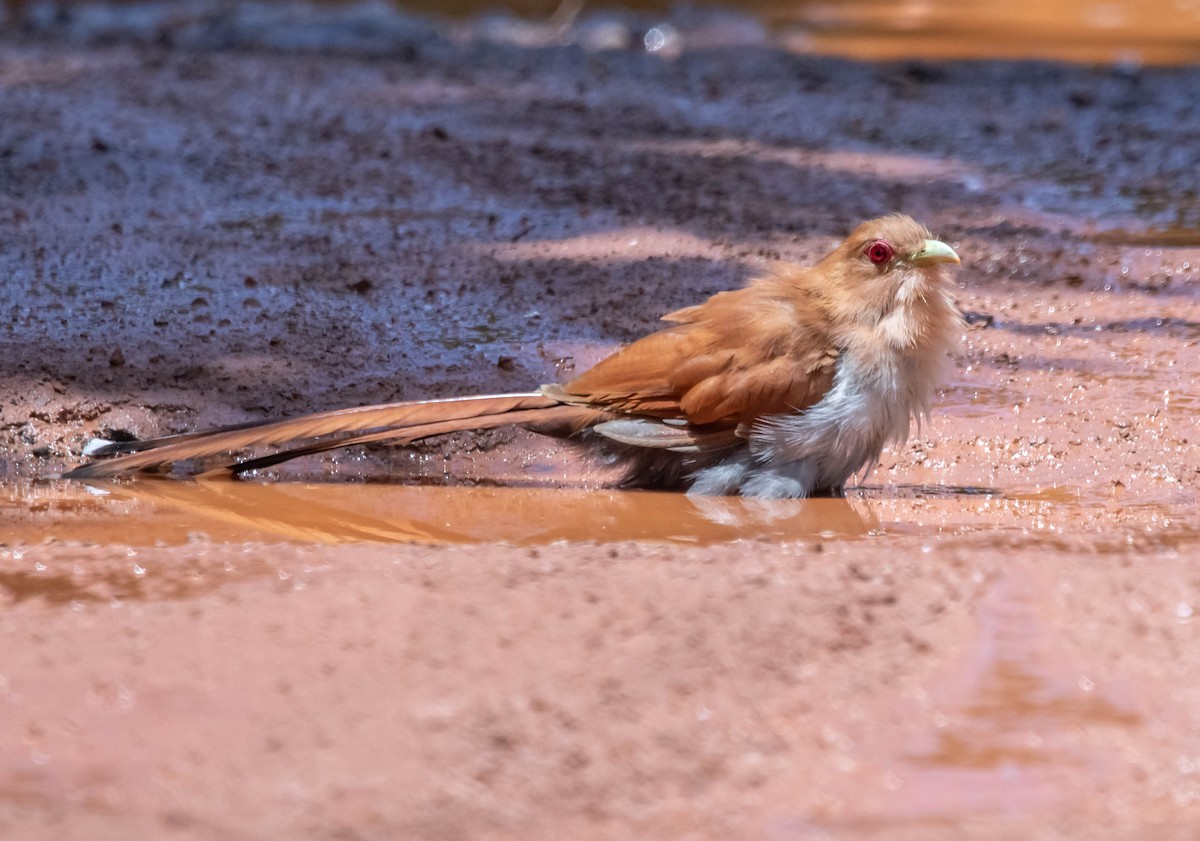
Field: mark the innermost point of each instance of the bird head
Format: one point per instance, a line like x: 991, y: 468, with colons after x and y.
x: 885, y: 263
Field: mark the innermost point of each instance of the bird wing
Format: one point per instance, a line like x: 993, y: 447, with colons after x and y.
x: 737, y: 357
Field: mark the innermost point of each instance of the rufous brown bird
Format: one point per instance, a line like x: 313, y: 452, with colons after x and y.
x: 784, y: 388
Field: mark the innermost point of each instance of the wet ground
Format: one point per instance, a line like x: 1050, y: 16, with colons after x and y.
x: 204, y: 221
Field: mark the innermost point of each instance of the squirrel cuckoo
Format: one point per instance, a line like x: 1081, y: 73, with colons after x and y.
x: 784, y: 388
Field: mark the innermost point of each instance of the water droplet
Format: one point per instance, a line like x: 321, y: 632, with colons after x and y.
x: 661, y: 39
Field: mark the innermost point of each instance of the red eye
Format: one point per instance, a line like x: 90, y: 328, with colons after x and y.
x: 879, y: 252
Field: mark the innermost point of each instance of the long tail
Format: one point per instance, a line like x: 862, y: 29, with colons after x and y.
x: 559, y: 420
x: 402, y: 422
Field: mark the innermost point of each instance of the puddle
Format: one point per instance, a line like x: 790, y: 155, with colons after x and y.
x: 150, y: 512
x: 164, y: 512
x: 1156, y: 32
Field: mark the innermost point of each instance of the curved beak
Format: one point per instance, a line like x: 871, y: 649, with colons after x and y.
x: 934, y: 252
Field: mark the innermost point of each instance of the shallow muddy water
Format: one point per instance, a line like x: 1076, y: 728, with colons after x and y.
x: 165, y: 512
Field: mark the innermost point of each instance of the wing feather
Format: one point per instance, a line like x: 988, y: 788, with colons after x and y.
x: 761, y: 350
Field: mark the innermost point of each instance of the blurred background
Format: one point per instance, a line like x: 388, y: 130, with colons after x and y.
x: 1129, y: 32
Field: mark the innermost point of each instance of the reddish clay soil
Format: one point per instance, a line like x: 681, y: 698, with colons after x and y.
x: 204, y: 222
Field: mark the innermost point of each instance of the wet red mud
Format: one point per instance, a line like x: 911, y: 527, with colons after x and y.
x: 994, y: 638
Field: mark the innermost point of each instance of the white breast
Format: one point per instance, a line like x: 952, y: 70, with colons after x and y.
x: 881, y: 384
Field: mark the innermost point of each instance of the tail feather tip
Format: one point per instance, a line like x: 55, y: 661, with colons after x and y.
x: 97, y: 447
